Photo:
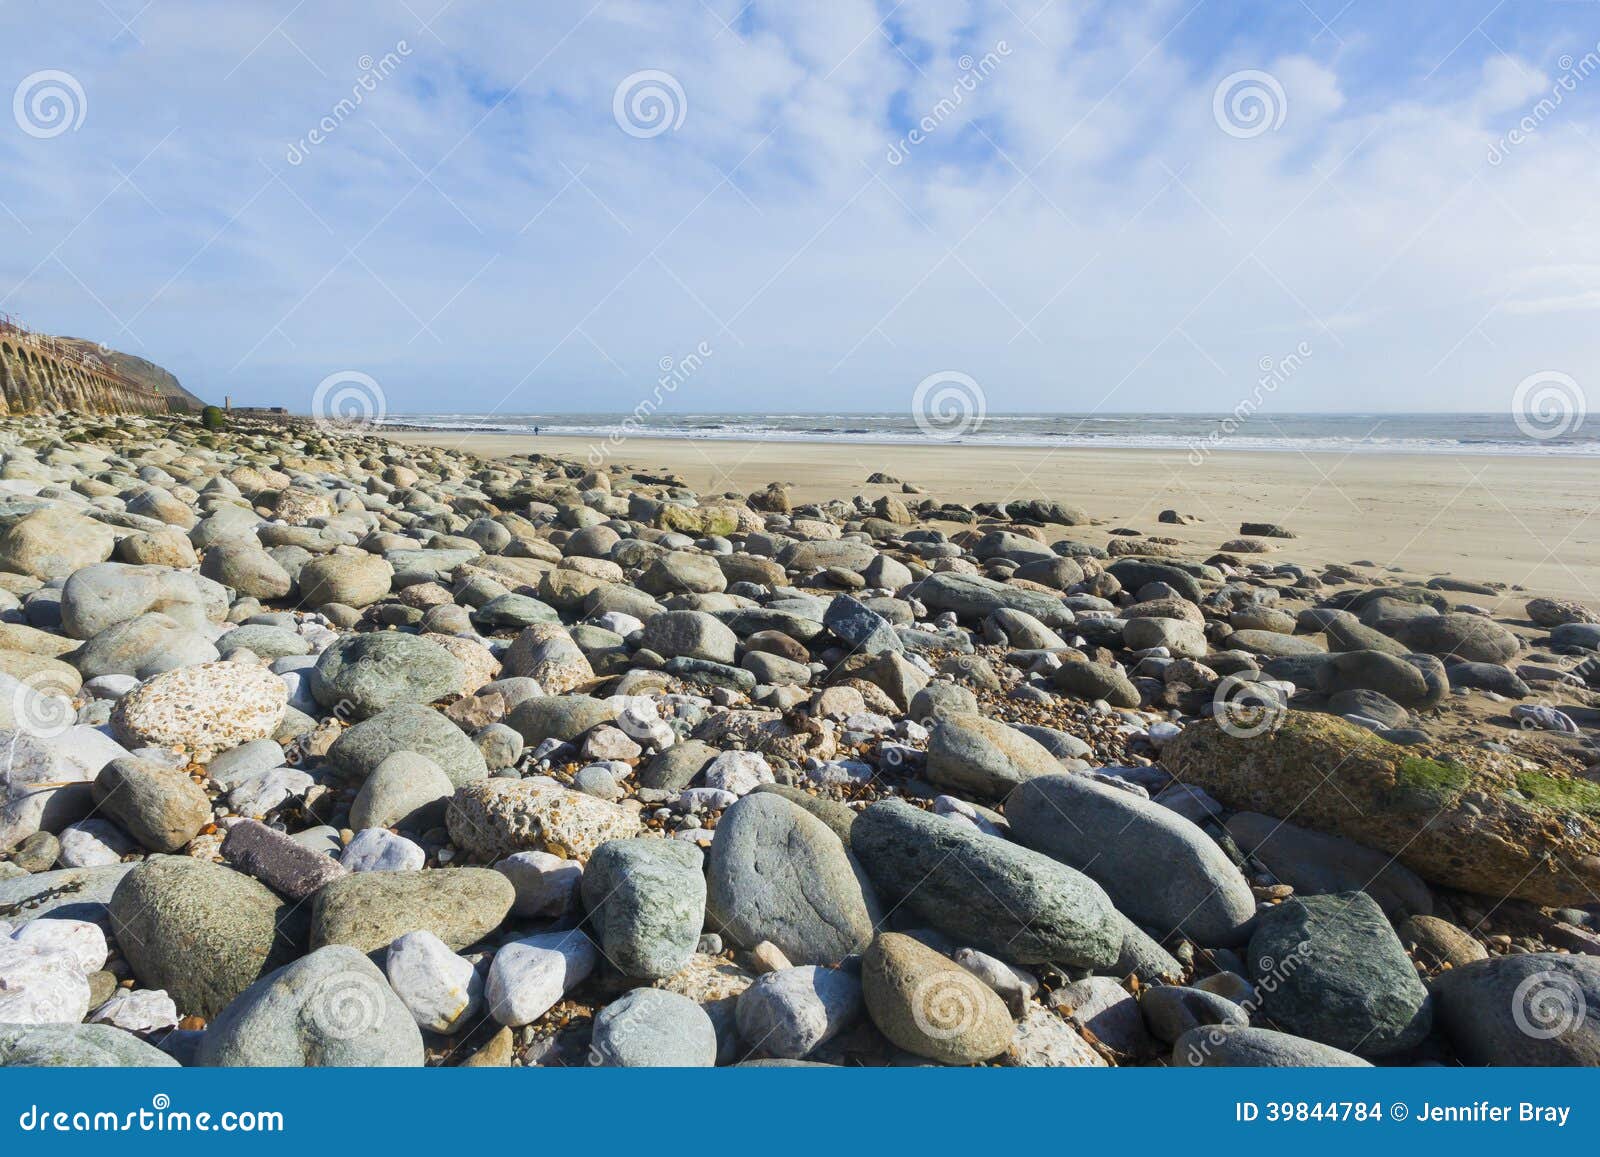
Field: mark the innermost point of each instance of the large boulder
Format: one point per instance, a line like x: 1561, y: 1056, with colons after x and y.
x: 1157, y: 867
x: 978, y: 758
x: 984, y: 891
x: 331, y: 1008
x: 1332, y: 969
x: 206, y: 708
x: 367, y: 910
x: 52, y: 542
x: 101, y: 596
x: 203, y: 932
x: 931, y: 1006
x: 972, y: 596
x: 1460, y: 637
x: 159, y: 806
x: 1465, y: 818
x: 361, y: 675
x: 77, y: 1046
x: 646, y: 900
x: 778, y: 873
x: 359, y: 751
x: 1535, y: 1008
x: 355, y: 580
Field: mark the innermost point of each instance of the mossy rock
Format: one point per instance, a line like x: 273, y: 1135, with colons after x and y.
x: 698, y: 520
x: 1458, y: 816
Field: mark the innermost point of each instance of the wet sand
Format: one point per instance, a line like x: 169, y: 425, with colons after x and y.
x: 1527, y: 521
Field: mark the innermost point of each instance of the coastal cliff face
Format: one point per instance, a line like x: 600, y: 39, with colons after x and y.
x: 40, y: 374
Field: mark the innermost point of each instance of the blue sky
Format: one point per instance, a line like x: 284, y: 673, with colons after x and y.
x: 1091, y: 226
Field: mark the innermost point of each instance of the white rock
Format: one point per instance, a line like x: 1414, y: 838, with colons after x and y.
x: 41, y: 986
x: 138, y: 1010
x: 81, y: 940
x: 706, y: 799
x: 257, y: 795
x: 839, y: 771
x: 622, y: 624
x: 380, y: 850
x: 109, y: 686
x: 530, y: 975
x: 441, y: 989
x: 545, y: 884
x: 739, y: 772
x: 93, y: 843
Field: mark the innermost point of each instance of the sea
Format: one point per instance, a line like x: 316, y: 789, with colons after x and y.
x: 1566, y: 434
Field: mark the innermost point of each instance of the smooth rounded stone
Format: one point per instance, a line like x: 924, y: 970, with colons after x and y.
x: 737, y: 772
x: 646, y: 900
x: 778, y: 873
x: 143, y: 646
x: 144, y: 1010
x: 265, y: 642
x: 983, y: 758
x: 330, y: 1008
x: 940, y: 698
x: 692, y: 634
x: 94, y: 843
x: 1487, y: 677
x: 353, y: 580
x: 1371, y: 706
x: 67, y: 893
x: 1272, y: 645
x: 1158, y: 868
x: 159, y: 806
x: 790, y: 1012
x: 380, y: 850
x: 930, y: 1006
x: 258, y: 795
x: 775, y: 670
x: 985, y: 891
x: 78, y: 1046
x: 529, y: 976
x: 248, y: 569
x: 1536, y: 1008
x: 1183, y: 640
x: 1550, y: 613
x: 1096, y: 681
x: 37, y: 853
x: 500, y: 745
x: 972, y: 596
x: 157, y: 548
x: 202, y: 932
x: 546, y: 653
x: 43, y: 983
x: 564, y: 717
x: 1332, y: 969
x: 546, y: 885
x: 441, y: 990
x: 1101, y: 1006
x: 598, y: 781
x: 361, y: 749
x: 1389, y: 675
x: 1436, y: 943
x: 52, y: 543
x: 1236, y: 1046
x: 653, y: 1028
x: 1460, y: 636
x: 1315, y: 863
x: 225, y: 523
x: 682, y: 572
x: 99, y: 597
x: 836, y: 815
x: 1170, y: 1010
x: 816, y: 554
x: 203, y: 709
x: 406, y: 790
x: 1584, y: 635
x: 362, y: 675
x: 497, y: 817
x: 368, y: 910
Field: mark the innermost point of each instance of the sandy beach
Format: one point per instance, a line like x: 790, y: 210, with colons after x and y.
x: 1522, y: 520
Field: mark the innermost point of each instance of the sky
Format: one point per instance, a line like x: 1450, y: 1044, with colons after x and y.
x: 500, y: 207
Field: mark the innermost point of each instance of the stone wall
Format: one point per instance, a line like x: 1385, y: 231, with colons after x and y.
x: 35, y: 379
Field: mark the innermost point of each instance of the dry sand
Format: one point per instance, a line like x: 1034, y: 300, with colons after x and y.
x: 1522, y: 520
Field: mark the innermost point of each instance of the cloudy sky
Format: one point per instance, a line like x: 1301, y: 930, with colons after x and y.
x: 513, y: 207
